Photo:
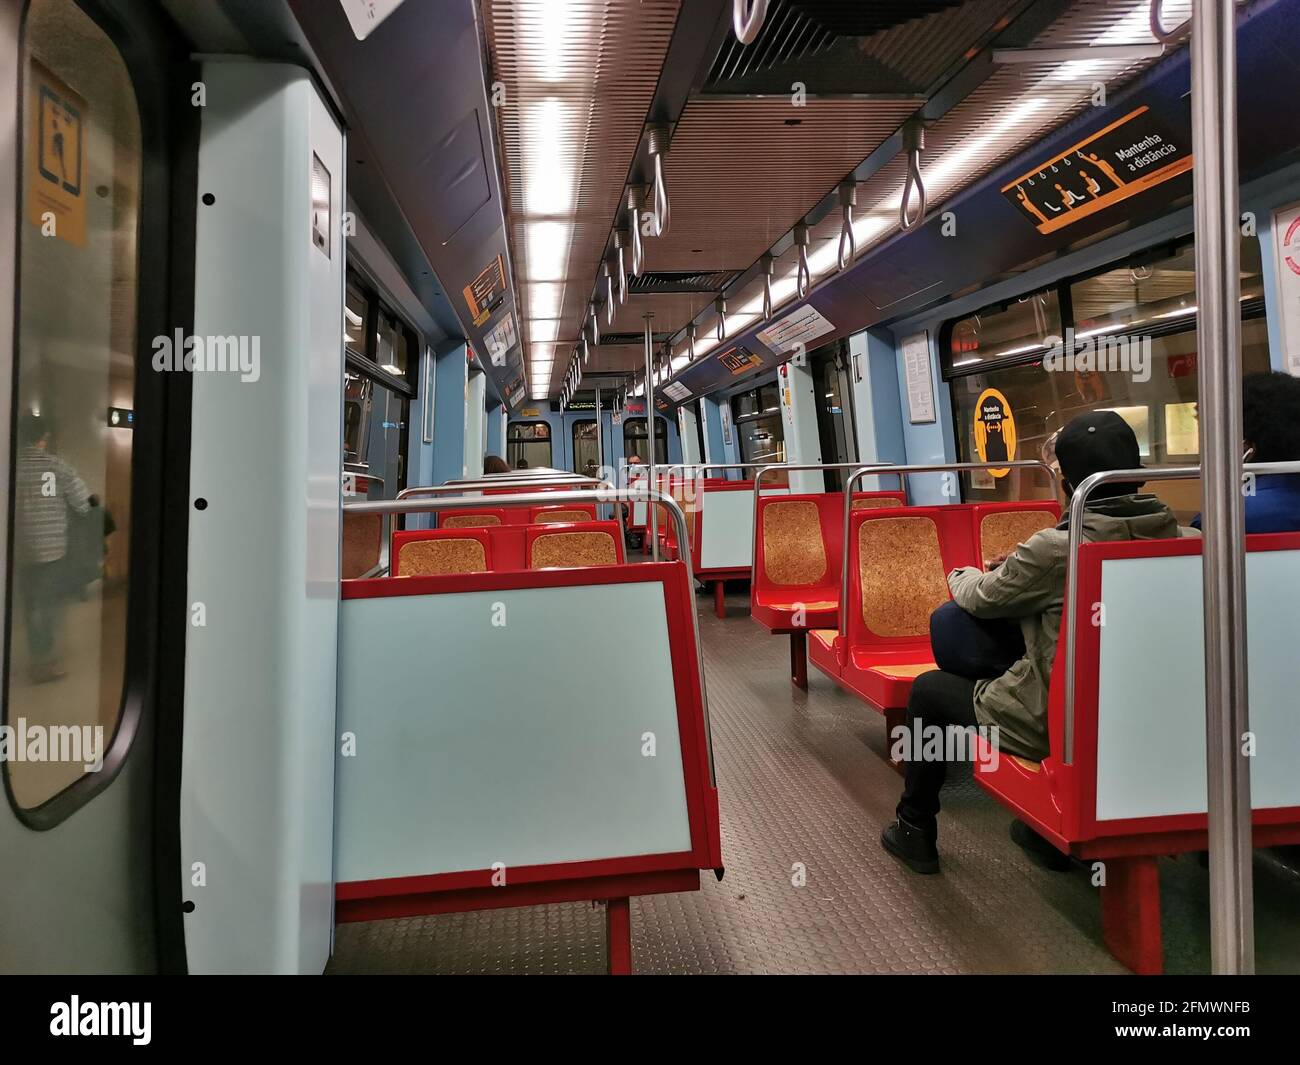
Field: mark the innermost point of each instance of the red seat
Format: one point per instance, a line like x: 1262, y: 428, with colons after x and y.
x: 1100, y: 808
x: 568, y: 544
x: 568, y: 512
x: 797, y: 565
x: 438, y: 552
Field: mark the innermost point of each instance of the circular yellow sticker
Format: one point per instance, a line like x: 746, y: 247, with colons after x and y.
x: 995, y: 429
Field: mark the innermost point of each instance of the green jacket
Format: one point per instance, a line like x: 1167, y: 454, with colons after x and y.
x: 1030, y: 586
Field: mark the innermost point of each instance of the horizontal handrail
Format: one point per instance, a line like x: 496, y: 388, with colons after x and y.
x: 1078, y: 508
x: 938, y: 467
x: 437, y: 489
x: 620, y: 497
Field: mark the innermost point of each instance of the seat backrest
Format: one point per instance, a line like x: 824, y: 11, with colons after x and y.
x: 1001, y: 527
x: 792, y: 548
x: 470, y: 519
x: 876, y: 500
x: 1139, y: 725
x: 898, y: 565
x: 566, y: 512
x: 363, y: 537
x: 437, y: 552
x: 593, y: 543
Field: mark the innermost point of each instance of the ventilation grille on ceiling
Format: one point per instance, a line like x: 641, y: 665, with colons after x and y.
x: 613, y: 340
x: 797, y: 29
x: 786, y: 34
x: 681, y: 281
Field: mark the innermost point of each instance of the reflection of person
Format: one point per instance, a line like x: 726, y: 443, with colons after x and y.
x: 995, y: 642
x: 1270, y: 421
x: 45, y: 489
x: 495, y: 464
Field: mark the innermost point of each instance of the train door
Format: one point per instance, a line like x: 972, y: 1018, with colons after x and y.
x: 586, y: 448
x: 635, y: 441
x: 96, y: 481
x: 834, y: 394
x: 757, y: 415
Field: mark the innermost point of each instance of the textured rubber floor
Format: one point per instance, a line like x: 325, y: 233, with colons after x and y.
x: 804, y: 789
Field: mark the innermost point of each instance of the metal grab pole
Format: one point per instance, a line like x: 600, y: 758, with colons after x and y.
x: 1218, y: 339
x: 652, y: 437
x: 600, y: 439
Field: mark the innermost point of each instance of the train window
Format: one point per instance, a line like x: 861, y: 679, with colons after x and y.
x: 1154, y: 295
x: 392, y: 345
x: 528, y: 445
x: 634, y: 440
x: 378, y: 387
x: 586, y: 448
x: 356, y: 312
x: 1004, y: 331
x: 71, y: 506
x: 357, y: 402
x: 834, y: 411
x: 1148, y: 376
x: 757, y: 415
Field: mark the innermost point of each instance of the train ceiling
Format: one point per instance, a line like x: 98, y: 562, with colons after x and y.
x: 760, y: 136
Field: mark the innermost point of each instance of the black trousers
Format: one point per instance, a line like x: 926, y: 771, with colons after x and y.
x: 938, y: 699
x: 968, y: 649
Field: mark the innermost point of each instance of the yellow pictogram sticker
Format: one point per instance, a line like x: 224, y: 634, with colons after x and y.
x: 56, y: 177
x: 995, y: 430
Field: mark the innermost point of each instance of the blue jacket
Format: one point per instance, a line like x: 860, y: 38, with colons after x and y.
x: 1275, y: 506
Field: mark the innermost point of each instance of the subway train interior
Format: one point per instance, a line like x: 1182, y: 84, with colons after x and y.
x: 650, y: 486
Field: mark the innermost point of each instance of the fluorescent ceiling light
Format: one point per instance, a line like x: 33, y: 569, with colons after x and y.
x: 550, y: 166
x: 546, y: 250
x: 544, y: 330
x: 1097, y: 53
x: 544, y: 299
x: 557, y: 23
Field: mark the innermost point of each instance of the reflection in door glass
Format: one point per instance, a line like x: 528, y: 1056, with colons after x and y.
x: 74, y: 400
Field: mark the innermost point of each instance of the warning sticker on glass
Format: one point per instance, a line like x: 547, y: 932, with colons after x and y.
x: 365, y: 15
x: 500, y: 339
x: 484, y: 294
x: 796, y: 331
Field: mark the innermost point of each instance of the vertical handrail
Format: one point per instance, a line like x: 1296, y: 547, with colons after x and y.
x: 1215, y: 202
x: 652, y: 436
x: 940, y: 467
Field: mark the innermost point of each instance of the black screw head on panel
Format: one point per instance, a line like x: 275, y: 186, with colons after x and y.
x: 200, y: 504
x: 209, y: 199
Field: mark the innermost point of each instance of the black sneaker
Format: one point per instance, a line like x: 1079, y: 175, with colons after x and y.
x: 911, y: 847
x: 1038, y: 850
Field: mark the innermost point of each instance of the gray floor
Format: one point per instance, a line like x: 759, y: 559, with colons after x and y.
x: 801, y: 779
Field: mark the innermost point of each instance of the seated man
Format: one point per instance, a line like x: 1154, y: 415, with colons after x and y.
x: 1270, y: 421
x: 1028, y: 588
